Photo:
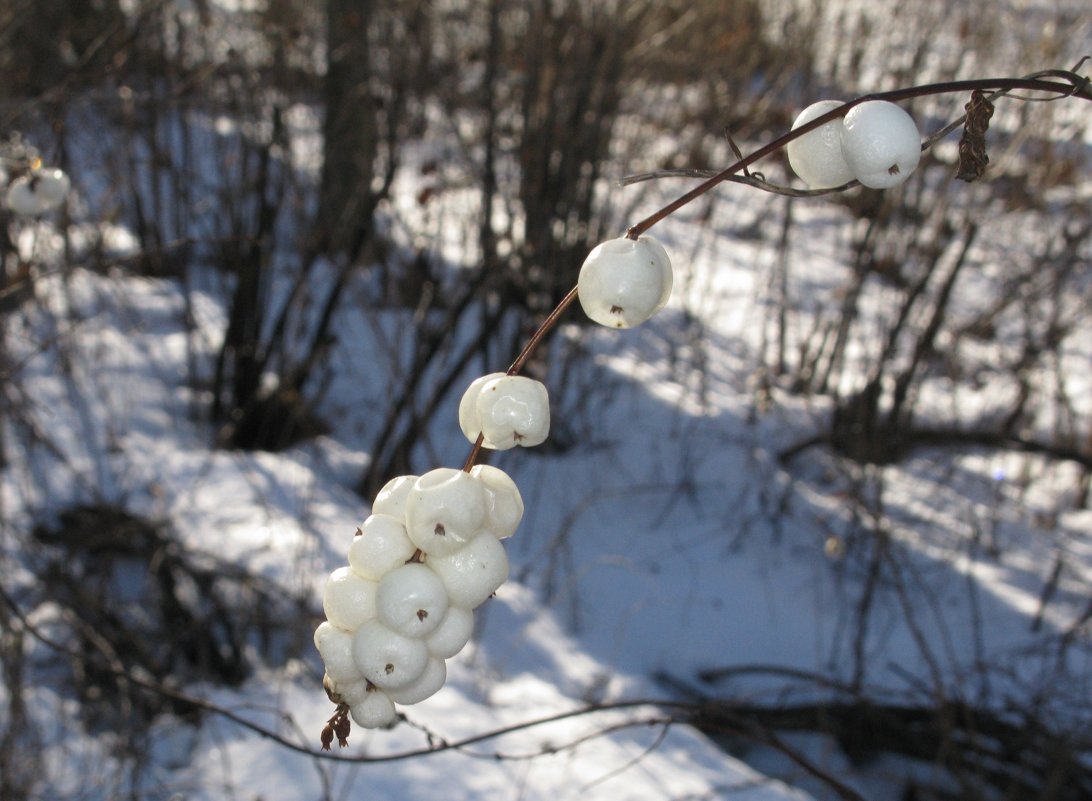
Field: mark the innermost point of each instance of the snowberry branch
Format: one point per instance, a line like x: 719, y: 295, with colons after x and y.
x: 1074, y: 85
x: 1077, y: 86
x: 430, y: 552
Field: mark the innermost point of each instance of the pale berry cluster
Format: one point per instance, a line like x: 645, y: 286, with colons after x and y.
x: 430, y: 553
x: 876, y: 143
x: 427, y: 556
x: 38, y: 191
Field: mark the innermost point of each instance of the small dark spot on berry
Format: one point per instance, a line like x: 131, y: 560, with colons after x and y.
x: 389, y: 668
x: 440, y: 531
x: 422, y: 614
x: 893, y: 169
x: 616, y: 309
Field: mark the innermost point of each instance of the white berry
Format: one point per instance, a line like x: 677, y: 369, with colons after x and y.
x: 348, y: 600
x: 469, y: 419
x: 429, y: 683
x: 22, y: 199
x: 391, y: 499
x: 335, y: 646
x: 503, y: 503
x: 380, y: 547
x: 473, y: 573
x: 880, y: 143
x: 374, y: 711
x: 386, y: 658
x: 513, y: 410
x: 623, y: 282
x: 444, y: 511
x: 52, y: 186
x: 817, y: 155
x: 411, y: 600
x: 351, y: 692
x: 453, y: 633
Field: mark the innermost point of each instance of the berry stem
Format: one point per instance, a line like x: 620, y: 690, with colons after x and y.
x: 525, y: 354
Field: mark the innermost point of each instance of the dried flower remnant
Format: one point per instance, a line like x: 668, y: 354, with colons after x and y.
x: 972, y: 145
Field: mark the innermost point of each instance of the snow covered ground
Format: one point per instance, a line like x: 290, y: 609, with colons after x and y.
x: 670, y: 544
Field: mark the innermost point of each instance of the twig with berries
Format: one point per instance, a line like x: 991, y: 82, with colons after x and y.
x: 431, y: 552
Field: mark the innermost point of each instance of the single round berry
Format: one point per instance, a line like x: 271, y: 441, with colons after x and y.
x: 817, y: 155
x: 386, y: 658
x: 444, y: 511
x: 513, y: 410
x: 351, y: 692
x: 348, y: 600
x: 453, y: 633
x: 380, y: 546
x: 473, y: 573
x: 52, y: 186
x: 335, y: 646
x: 411, y: 600
x: 427, y: 685
x: 22, y: 199
x: 503, y: 503
x: 374, y: 711
x: 391, y: 499
x: 623, y: 282
x: 469, y: 419
x: 881, y: 143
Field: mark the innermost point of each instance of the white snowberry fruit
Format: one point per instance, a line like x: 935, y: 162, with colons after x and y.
x: 623, y: 282
x: 412, y: 600
x: 351, y: 692
x: 52, y: 186
x: 881, y: 143
x: 453, y: 633
x: 380, y: 547
x: 391, y: 500
x: 469, y: 419
x: 817, y: 155
x: 427, y: 685
x: 444, y: 511
x: 22, y: 199
x: 335, y: 646
x: 386, y: 658
x: 503, y: 503
x: 348, y: 600
x: 474, y: 573
x: 513, y: 410
x: 375, y: 711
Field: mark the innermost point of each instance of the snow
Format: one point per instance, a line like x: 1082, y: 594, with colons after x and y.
x: 670, y: 543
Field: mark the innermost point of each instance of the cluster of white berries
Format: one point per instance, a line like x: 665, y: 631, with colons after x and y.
x: 37, y: 192
x: 428, y: 555
x: 876, y: 142
x: 430, y: 552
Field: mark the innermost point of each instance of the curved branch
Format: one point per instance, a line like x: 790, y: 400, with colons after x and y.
x: 1076, y: 86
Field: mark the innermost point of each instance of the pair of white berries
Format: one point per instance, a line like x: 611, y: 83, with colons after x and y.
x: 506, y: 410
x: 876, y: 143
x: 38, y: 192
x: 427, y: 556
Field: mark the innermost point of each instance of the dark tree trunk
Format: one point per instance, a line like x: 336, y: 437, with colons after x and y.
x: 350, y: 131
